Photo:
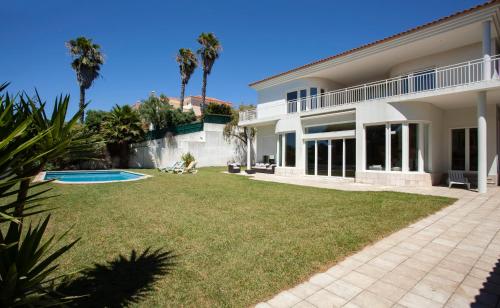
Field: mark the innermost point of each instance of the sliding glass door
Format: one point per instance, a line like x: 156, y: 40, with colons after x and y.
x: 335, y: 157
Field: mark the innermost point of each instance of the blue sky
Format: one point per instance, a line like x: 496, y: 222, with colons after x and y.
x: 140, y: 40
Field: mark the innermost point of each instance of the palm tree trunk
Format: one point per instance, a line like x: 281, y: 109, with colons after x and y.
x: 204, y: 90
x: 183, y: 88
x: 82, y: 103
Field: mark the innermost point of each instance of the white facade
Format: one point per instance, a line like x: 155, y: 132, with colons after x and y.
x: 402, y: 111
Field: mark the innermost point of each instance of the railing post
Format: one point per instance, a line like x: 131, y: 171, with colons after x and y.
x: 364, y: 92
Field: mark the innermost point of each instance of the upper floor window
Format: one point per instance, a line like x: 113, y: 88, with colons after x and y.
x: 303, y: 100
x: 291, y: 99
x: 314, y: 97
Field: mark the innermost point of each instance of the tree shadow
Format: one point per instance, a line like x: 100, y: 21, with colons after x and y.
x: 489, y: 294
x: 121, y: 282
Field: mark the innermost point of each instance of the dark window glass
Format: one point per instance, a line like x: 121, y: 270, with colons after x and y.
x: 375, y: 147
x: 291, y: 99
x: 303, y: 100
x: 413, y: 147
x: 280, y: 149
x: 310, y: 157
x: 322, y: 98
x: 350, y: 157
x: 314, y: 97
x: 473, y: 149
x: 396, y: 147
x: 337, y: 150
x: 290, y: 150
x: 330, y: 128
x: 458, y: 149
x: 322, y: 157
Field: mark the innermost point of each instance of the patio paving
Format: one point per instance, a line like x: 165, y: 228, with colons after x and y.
x: 449, y: 259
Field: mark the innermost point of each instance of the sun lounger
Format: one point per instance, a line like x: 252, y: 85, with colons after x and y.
x: 172, y: 168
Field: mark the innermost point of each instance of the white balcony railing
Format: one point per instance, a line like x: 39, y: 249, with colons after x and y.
x: 430, y: 80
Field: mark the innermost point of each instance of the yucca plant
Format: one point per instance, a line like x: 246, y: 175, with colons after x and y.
x: 28, y: 139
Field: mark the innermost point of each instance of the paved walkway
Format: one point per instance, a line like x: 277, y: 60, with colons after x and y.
x: 449, y: 259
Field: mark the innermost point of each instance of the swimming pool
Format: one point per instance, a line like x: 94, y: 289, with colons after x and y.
x: 100, y: 176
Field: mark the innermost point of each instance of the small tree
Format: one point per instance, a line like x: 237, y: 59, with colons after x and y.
x: 156, y: 111
x: 232, y: 130
x: 214, y: 108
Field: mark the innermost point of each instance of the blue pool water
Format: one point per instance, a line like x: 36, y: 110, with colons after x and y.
x: 92, y: 176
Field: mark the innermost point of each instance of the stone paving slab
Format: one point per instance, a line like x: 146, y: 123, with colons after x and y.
x: 449, y: 259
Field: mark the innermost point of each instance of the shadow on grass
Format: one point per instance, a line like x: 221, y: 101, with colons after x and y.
x: 121, y: 282
x: 489, y: 294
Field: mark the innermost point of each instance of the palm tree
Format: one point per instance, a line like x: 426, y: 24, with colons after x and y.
x: 209, y: 52
x: 87, y: 61
x: 122, y: 127
x: 187, y: 64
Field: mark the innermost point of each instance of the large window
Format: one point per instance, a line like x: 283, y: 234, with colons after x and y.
x: 291, y: 98
x: 290, y: 149
x: 310, y: 152
x: 463, y: 153
x: 458, y: 149
x: 413, y: 147
x: 280, y: 150
x: 473, y: 149
x: 330, y: 128
x: 350, y: 157
x: 396, y: 147
x: 337, y: 152
x: 322, y: 157
x: 375, y: 147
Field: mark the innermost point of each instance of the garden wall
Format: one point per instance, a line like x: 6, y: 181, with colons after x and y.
x: 208, y: 146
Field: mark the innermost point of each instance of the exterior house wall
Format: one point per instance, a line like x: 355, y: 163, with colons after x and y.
x: 266, y: 142
x: 209, y: 148
x: 466, y: 118
x: 449, y: 57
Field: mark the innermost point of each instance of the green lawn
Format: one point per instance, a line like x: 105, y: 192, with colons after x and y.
x: 236, y: 241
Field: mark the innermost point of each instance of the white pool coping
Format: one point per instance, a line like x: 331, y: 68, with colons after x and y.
x: 40, y: 177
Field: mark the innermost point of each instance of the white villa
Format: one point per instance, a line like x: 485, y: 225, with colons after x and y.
x: 403, y: 110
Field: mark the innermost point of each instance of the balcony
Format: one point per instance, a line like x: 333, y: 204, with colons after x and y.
x: 461, y: 74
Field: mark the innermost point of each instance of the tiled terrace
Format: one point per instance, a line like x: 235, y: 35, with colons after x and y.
x: 449, y: 259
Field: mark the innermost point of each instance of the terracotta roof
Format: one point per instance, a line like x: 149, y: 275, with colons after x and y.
x: 212, y: 100
x: 392, y: 37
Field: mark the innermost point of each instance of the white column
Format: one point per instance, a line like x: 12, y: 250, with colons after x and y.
x: 421, y: 147
x: 481, y: 152
x: 406, y: 144
x: 487, y: 49
x: 249, y: 149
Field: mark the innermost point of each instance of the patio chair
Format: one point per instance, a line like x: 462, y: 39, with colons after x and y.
x: 458, y: 178
x: 191, y: 168
x: 176, y: 165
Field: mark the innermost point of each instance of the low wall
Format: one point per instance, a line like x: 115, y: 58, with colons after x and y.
x: 209, y: 147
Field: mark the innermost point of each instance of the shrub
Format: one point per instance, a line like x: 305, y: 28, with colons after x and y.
x: 187, y: 158
x: 214, y: 108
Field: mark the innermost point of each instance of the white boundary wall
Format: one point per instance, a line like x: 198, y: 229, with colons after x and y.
x: 209, y: 148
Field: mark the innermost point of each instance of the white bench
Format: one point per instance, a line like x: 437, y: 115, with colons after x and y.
x: 458, y: 178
